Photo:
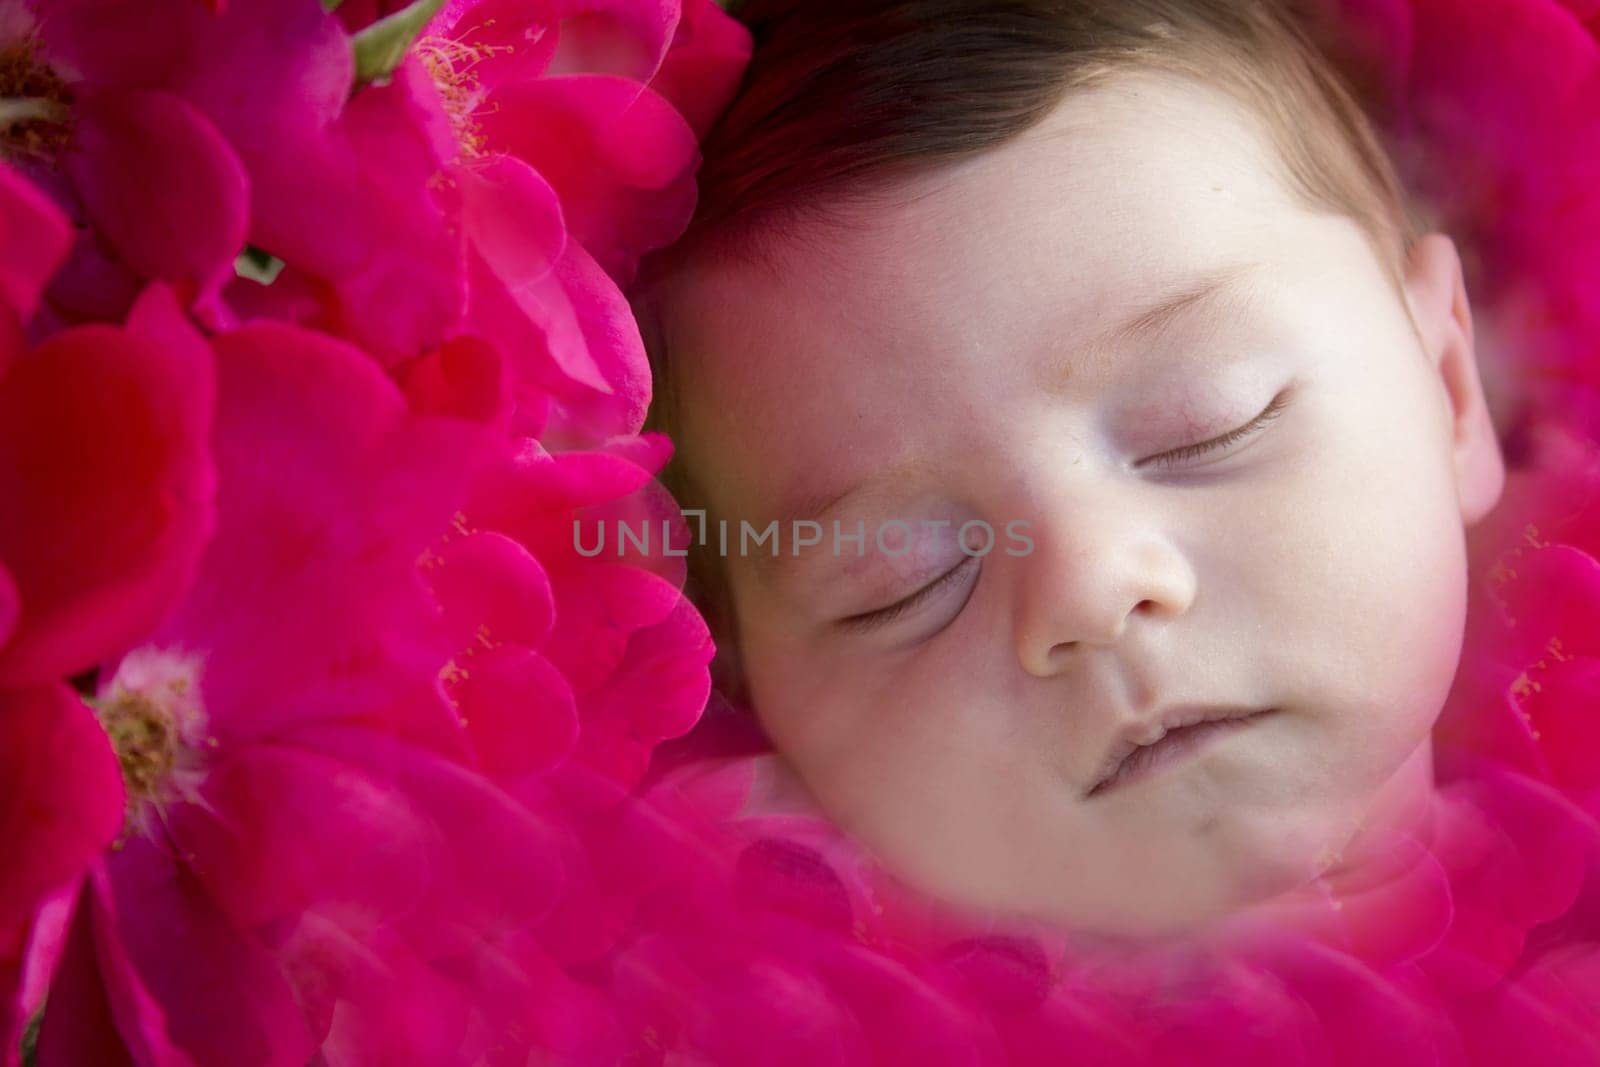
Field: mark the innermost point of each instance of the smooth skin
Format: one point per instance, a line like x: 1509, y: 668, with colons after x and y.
x: 948, y: 350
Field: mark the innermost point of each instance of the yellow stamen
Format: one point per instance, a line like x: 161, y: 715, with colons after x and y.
x: 450, y: 64
x: 151, y: 712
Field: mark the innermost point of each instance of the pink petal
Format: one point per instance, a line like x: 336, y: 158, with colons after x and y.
x: 1552, y: 593
x: 112, y: 43
x: 294, y: 297
x: 284, y: 829
x: 381, y: 1002
x: 1516, y: 851
x: 1562, y: 714
x: 490, y: 867
x: 62, y: 804
x: 464, y: 377
x: 64, y: 800
x: 548, y: 352
x: 43, y: 944
x: 598, y: 611
x: 1547, y: 1014
x: 513, y: 217
x: 94, y: 285
x: 492, y: 590
x: 34, y: 238
x: 663, y: 686
x: 339, y: 185
x: 533, y: 497
x: 702, y: 68
x: 627, y: 38
x: 573, y: 338
x: 542, y: 298
x: 571, y: 509
x: 621, y: 158
x: 331, y: 491
x: 99, y: 1009
x: 297, y: 48
x: 225, y: 998
x: 518, y: 709
x: 10, y: 606
x: 103, y: 449
x: 162, y: 184
x: 352, y: 205
x: 409, y: 287
x: 81, y: 1028
x: 504, y: 40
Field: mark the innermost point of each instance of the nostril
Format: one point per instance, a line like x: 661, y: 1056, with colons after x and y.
x: 1147, y: 607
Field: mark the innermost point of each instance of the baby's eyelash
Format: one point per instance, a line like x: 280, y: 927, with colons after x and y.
x: 1178, y: 455
x: 883, y: 616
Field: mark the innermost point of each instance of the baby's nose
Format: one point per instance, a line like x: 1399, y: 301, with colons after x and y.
x: 1095, y: 570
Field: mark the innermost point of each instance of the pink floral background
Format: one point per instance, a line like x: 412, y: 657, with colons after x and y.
x: 320, y: 743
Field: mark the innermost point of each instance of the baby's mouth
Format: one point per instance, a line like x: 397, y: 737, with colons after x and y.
x: 1174, y: 745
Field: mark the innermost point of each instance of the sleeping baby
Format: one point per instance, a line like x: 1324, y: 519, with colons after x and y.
x: 1092, y: 434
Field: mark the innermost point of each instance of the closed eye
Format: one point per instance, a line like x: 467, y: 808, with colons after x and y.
x: 870, y: 620
x: 1178, y: 455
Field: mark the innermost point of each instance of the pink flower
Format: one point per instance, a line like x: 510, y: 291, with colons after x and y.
x: 630, y: 647
x: 308, y: 857
x: 158, y: 191
x: 570, y: 89
x: 602, y: 644
x: 569, y: 166
x: 577, y: 361
x: 569, y: 668
x: 105, y: 468
x: 32, y: 245
x: 703, y: 64
x: 62, y: 804
x: 338, y: 185
x: 103, y: 452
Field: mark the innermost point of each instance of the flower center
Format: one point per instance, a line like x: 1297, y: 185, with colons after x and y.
x: 152, y: 713
x: 33, y: 104
x: 144, y: 736
x: 450, y: 64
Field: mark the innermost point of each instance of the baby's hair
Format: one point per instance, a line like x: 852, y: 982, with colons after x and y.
x: 844, y: 97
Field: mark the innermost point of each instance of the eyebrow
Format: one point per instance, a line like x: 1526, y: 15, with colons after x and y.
x: 1211, y: 293
x: 818, y: 506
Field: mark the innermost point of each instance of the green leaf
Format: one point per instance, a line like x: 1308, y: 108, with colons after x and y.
x: 257, y: 265
x: 330, y: 6
x: 30, y: 1039
x: 381, y: 46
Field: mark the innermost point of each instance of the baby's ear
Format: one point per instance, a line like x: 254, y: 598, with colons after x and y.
x: 1437, y: 294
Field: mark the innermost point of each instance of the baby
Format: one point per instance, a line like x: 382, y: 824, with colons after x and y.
x: 1120, y: 432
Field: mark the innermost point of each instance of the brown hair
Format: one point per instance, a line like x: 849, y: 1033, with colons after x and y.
x: 843, y: 97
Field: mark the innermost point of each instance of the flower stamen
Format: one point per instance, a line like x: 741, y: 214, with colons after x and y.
x: 450, y: 64
x: 34, y: 103
x: 151, y: 711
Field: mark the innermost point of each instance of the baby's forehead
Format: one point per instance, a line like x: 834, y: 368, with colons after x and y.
x: 1124, y: 190
x: 1127, y: 170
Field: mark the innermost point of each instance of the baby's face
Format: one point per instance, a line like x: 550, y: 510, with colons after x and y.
x: 980, y: 346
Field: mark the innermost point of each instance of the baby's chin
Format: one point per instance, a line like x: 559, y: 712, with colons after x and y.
x: 1194, y: 902
x: 1275, y: 852
x: 1168, y: 882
